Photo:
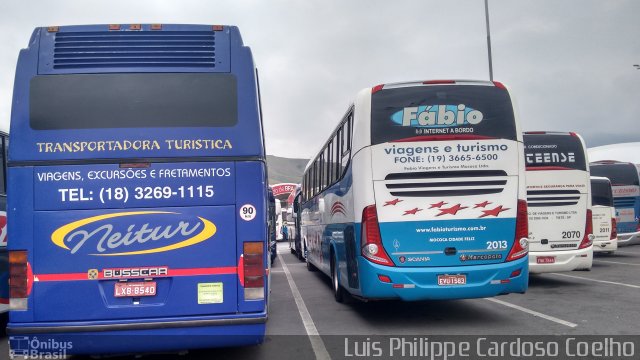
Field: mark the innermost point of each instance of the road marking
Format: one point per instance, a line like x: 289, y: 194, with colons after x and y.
x: 533, y: 312
x: 616, y: 262
x: 312, y: 332
x: 600, y: 281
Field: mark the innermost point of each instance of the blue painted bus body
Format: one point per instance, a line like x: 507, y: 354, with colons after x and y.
x: 96, y: 206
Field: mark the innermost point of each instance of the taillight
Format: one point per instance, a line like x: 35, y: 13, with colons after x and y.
x: 376, y: 88
x: 520, y: 246
x: 253, y: 270
x: 372, y: 248
x: 18, y: 280
x: 614, y: 229
x: 587, y: 240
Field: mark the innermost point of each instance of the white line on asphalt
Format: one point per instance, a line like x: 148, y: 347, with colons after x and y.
x: 533, y: 312
x: 600, y: 281
x: 316, y: 341
x: 615, y: 262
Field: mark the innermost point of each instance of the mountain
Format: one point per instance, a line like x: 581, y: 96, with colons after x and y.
x: 285, y: 170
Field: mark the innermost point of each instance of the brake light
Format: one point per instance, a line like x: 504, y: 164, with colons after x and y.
x: 18, y: 280
x: 587, y: 240
x: 371, y: 240
x: 376, y: 88
x: 499, y: 85
x: 438, y: 82
x: 253, y: 270
x: 520, y: 246
x: 614, y: 229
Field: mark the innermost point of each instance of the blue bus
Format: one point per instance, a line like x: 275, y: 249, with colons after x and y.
x: 4, y: 259
x: 419, y: 193
x: 625, y: 185
x: 137, y: 191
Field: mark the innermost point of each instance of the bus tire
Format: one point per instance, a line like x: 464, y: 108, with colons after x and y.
x: 338, y: 290
x: 310, y: 266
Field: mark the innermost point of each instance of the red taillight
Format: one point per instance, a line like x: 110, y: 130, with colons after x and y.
x: 520, y: 246
x: 499, y: 85
x: 253, y: 270
x: 614, y: 229
x: 371, y: 240
x: 587, y: 240
x: 18, y: 280
x: 376, y: 88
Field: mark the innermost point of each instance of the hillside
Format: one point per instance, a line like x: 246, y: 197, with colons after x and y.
x: 285, y: 170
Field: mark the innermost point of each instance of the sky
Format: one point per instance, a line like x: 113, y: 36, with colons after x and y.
x: 568, y: 63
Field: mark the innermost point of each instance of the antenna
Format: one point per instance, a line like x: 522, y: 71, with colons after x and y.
x: 486, y: 15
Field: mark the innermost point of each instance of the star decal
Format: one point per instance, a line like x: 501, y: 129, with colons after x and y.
x: 493, y: 212
x: 437, y: 205
x: 392, y: 202
x: 482, y: 204
x: 411, y: 212
x: 452, y: 210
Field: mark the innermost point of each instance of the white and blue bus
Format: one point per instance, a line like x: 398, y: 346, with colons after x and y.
x: 137, y: 191
x: 419, y: 193
x: 559, y: 197
x: 625, y: 184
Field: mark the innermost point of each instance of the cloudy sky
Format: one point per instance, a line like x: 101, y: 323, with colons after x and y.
x: 568, y: 62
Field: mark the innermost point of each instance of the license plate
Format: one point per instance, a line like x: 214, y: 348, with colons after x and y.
x: 546, y: 259
x: 448, y: 280
x: 135, y: 289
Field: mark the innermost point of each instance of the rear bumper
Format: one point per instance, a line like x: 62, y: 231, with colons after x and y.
x: 566, y: 260
x: 421, y: 283
x: 163, y: 335
x: 626, y: 239
x: 605, y: 245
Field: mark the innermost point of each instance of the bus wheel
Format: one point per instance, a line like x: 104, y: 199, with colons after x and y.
x: 310, y: 266
x: 338, y: 291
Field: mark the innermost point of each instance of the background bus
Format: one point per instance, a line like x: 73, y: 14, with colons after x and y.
x: 559, y: 199
x: 625, y: 185
x: 4, y: 259
x: 419, y: 194
x: 604, y: 216
x: 137, y: 189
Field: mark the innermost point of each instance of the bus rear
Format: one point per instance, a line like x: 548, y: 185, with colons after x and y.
x: 626, y: 197
x: 604, y: 216
x: 559, y: 197
x: 137, y: 190
x: 448, y: 184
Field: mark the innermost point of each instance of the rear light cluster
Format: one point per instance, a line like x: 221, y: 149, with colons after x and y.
x: 371, y: 240
x: 587, y: 240
x: 253, y: 270
x: 520, y: 246
x: 614, y: 229
x: 18, y: 280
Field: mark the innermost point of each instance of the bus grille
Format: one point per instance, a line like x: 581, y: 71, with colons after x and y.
x: 539, y: 198
x: 81, y: 50
x: 627, y: 201
x: 446, y: 183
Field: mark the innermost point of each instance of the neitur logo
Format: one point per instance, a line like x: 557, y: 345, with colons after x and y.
x: 114, y: 238
x: 437, y: 116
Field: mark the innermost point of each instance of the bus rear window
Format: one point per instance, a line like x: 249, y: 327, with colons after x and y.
x: 561, y: 150
x: 619, y: 174
x: 601, y: 193
x: 401, y: 113
x: 98, y: 101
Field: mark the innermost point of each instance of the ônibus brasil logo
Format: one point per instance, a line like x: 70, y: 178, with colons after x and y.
x: 437, y: 116
x: 116, y: 235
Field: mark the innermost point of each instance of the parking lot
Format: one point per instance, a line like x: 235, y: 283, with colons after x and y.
x: 603, y: 301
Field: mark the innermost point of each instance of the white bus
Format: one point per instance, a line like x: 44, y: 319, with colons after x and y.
x: 559, y: 201
x: 419, y: 193
x: 604, y: 216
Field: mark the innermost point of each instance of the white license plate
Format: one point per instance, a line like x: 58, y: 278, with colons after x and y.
x: 546, y: 259
x: 135, y: 289
x: 449, y: 280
